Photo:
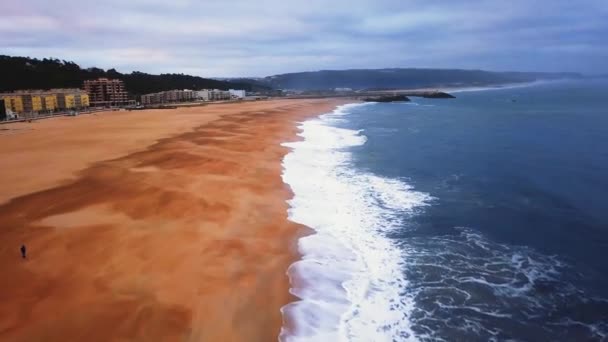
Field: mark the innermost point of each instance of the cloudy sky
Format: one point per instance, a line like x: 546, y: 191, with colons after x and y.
x: 260, y: 38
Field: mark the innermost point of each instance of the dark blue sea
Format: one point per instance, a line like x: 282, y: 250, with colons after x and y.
x: 479, y: 218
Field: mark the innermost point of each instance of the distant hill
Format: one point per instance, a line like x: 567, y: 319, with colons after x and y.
x: 20, y: 73
x: 402, y: 78
x: 29, y: 73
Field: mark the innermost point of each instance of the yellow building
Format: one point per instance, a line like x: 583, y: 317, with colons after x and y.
x: 71, y: 98
x: 70, y: 101
x: 13, y: 103
x: 36, y: 103
x: 50, y: 102
x: 84, y: 100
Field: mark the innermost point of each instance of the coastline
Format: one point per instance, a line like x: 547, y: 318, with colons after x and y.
x: 349, y: 272
x: 169, y: 225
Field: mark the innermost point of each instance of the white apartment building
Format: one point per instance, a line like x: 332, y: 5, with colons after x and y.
x: 168, y: 97
x: 213, y: 95
x: 237, y: 93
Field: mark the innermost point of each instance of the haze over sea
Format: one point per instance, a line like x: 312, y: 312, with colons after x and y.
x: 472, y: 219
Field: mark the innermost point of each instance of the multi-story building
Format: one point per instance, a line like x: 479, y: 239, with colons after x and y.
x: 33, y: 103
x: 12, y: 103
x: 84, y: 100
x: 214, y: 95
x: 149, y: 99
x: 9, y: 107
x: 169, y: 96
x: 70, y: 99
x: 237, y: 93
x: 81, y: 100
x: 105, y: 92
x: 26, y: 104
x: 49, y: 102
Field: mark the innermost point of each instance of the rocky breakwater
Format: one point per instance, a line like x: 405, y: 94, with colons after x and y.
x: 433, y: 94
x: 387, y: 98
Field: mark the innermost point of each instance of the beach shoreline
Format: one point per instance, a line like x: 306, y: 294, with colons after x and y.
x: 150, y: 225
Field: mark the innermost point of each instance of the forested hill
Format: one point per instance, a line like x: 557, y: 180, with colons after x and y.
x: 402, y: 78
x: 18, y: 73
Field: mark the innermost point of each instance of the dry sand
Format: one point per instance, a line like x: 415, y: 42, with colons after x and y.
x: 160, y: 225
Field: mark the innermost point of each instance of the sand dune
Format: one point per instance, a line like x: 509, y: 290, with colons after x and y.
x: 154, y: 225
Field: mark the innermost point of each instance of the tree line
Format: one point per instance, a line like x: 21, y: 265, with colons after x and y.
x: 21, y: 73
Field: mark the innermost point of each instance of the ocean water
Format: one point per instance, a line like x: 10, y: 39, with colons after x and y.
x: 480, y: 218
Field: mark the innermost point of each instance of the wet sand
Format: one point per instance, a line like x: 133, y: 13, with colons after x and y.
x: 160, y: 225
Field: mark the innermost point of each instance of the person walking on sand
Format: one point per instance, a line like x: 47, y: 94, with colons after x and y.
x: 23, y: 251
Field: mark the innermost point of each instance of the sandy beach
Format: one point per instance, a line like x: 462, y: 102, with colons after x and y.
x: 157, y: 225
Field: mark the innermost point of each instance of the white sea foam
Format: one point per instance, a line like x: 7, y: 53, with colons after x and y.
x: 350, y: 279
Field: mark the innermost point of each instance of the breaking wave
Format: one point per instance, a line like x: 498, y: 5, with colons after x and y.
x: 350, y: 280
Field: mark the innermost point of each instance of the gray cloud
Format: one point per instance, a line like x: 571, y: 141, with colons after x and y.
x: 245, y: 38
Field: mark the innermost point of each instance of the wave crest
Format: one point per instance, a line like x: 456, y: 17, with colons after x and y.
x: 350, y: 280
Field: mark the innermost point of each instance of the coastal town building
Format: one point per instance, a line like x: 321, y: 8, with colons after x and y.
x: 237, y: 93
x: 105, y: 92
x: 12, y: 103
x: 32, y: 102
x: 72, y: 99
x: 170, y: 96
x: 214, y: 95
x: 29, y: 104
x: 49, y: 102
